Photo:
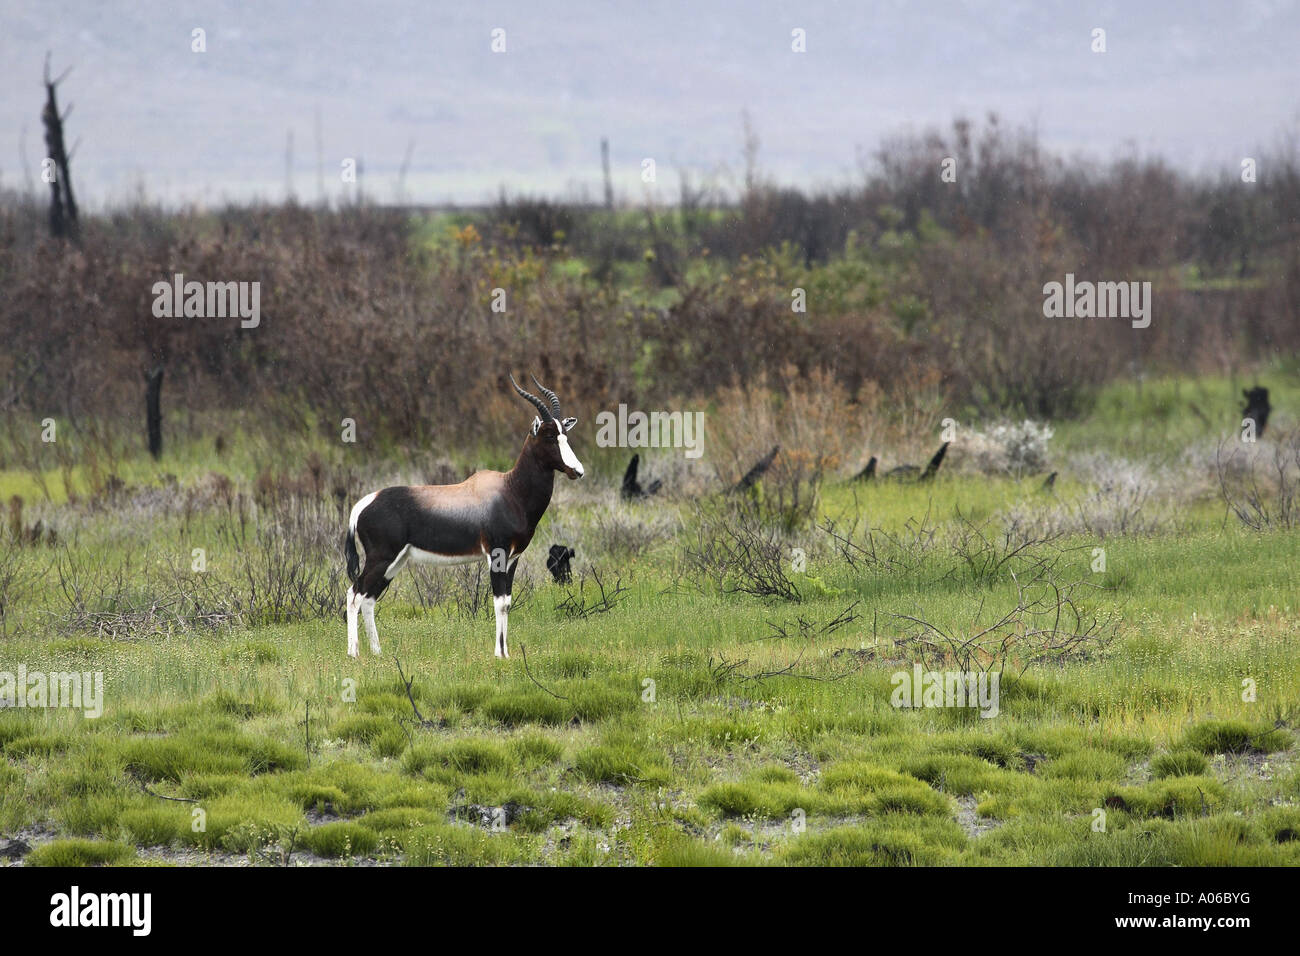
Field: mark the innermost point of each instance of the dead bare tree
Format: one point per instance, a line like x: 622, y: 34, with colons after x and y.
x: 63, y: 206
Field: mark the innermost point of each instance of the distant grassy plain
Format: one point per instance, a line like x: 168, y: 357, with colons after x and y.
x: 679, y: 727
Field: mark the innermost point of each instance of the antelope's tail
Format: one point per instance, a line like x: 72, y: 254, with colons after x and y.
x: 351, y: 541
x: 350, y: 551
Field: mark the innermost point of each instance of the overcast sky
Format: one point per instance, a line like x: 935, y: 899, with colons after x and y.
x: 1202, y: 84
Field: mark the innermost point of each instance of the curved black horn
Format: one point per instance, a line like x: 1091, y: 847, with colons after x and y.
x: 533, y: 399
x: 555, y: 402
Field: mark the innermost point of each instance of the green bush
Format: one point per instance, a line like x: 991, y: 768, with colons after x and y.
x: 1179, y: 763
x: 345, y: 838
x: 80, y: 853
x: 1234, y: 737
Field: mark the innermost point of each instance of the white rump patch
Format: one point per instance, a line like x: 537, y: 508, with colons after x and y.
x: 359, y: 507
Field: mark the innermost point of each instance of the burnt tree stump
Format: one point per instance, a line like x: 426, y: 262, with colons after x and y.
x: 758, y: 471
x: 558, y: 563
x: 632, y: 489
x: 1257, y: 408
x: 153, y: 410
x: 933, y: 467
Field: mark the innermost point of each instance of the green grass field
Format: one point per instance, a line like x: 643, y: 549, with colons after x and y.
x: 684, y: 723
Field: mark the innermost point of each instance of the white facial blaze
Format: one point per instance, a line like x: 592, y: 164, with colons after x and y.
x: 567, y: 455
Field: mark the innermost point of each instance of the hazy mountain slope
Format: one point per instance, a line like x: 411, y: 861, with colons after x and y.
x: 1201, y: 84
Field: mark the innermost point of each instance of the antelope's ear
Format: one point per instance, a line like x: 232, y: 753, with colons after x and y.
x: 569, y: 423
x: 537, y: 425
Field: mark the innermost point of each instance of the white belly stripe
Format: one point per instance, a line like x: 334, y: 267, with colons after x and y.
x: 420, y: 556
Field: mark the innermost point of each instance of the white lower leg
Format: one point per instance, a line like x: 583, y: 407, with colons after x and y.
x: 368, y: 615
x: 353, y: 601
x: 502, y: 606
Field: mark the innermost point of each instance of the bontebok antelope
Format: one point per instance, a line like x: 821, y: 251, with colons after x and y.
x: 490, y: 516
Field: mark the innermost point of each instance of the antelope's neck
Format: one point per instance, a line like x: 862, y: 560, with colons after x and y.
x: 532, y: 483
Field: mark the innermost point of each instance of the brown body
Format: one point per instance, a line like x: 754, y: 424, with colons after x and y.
x: 490, y: 516
x: 488, y: 511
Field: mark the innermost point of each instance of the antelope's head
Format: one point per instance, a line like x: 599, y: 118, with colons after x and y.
x: 550, y: 437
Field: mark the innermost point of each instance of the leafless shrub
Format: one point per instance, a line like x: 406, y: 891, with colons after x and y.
x: 1047, y: 623
x: 1118, y: 508
x: 1266, y: 503
x: 737, y: 552
x: 583, y: 602
x: 274, y: 564
x: 801, y: 631
x: 804, y: 630
x: 461, y: 590
x: 288, y: 558
x: 904, y: 550
x: 18, y: 574
x: 122, y: 601
x: 810, y: 417
x: 464, y: 591
x: 985, y: 556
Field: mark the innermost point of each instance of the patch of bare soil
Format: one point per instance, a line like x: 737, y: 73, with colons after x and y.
x: 970, y: 821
